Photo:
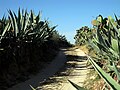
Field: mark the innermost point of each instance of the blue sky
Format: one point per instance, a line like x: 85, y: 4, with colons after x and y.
x: 69, y: 15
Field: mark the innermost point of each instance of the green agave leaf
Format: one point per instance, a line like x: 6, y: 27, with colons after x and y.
x: 107, y: 43
x: 101, y: 38
x: 119, y: 46
x: 3, y: 18
x: 31, y: 33
x: 100, y: 18
x: 25, y: 22
x: 115, y: 45
x: 7, y: 28
x: 14, y: 22
x: 32, y: 87
x: 93, y: 44
x: 109, y: 36
x: 116, y: 71
x: 19, y: 20
x: 113, y: 84
x: 32, y: 17
x: 38, y: 18
x: 76, y: 86
x: 113, y: 23
x: 114, y: 54
x: 104, y: 22
x: 102, y: 47
x: 111, y: 68
x: 118, y: 22
x: 104, y: 30
x: 15, y: 16
x: 1, y: 49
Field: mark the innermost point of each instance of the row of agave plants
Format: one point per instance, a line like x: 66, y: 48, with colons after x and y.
x: 25, y: 42
x: 104, y: 38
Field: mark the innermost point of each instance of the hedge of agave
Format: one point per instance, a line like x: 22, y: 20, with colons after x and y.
x: 106, y: 42
x: 25, y: 41
x: 21, y: 34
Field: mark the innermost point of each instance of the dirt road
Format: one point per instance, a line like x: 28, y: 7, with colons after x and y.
x: 76, y: 74
x: 50, y: 70
x: 75, y: 70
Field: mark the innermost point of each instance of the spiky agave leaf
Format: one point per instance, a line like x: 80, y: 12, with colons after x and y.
x: 100, y: 18
x: 76, y: 86
x: 7, y: 28
x: 14, y: 23
x: 114, y: 45
x: 108, y: 79
x: 32, y: 87
x: 113, y: 23
x: 118, y: 21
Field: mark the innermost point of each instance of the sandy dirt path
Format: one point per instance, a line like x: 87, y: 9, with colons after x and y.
x: 50, y: 70
x: 77, y: 74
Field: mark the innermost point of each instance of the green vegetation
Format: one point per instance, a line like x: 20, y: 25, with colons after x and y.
x: 25, y: 42
x: 106, y: 43
x: 83, y: 35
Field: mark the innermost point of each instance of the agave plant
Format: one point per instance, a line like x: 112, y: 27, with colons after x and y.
x: 108, y: 79
x: 25, y: 40
x: 107, y: 41
x: 21, y: 38
x: 30, y: 27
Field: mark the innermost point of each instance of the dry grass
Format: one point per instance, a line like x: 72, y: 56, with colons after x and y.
x: 93, y: 81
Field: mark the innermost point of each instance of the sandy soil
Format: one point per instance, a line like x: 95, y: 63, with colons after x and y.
x: 54, y: 77
x: 75, y: 70
x: 79, y: 73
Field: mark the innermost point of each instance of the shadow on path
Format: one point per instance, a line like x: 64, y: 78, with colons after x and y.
x: 50, y: 70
